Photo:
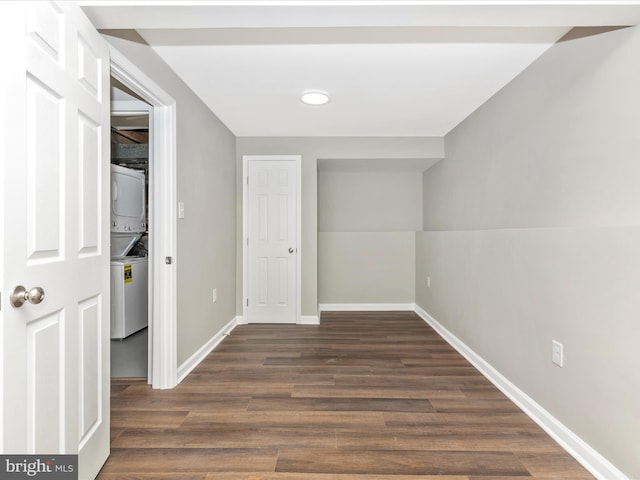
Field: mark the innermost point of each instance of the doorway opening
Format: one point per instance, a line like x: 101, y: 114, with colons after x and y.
x: 131, y: 317
x: 162, y: 331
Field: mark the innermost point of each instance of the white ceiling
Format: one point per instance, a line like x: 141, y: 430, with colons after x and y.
x: 377, y: 87
x: 392, y: 68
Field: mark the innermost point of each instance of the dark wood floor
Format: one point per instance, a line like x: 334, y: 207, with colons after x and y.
x: 362, y: 396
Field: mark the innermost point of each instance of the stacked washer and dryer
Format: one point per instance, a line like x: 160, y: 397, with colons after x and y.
x: 129, y: 273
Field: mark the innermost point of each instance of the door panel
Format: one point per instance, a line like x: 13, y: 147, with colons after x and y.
x: 283, y: 265
x: 272, y: 241
x: 45, y: 109
x: 45, y: 377
x: 89, y: 69
x: 283, y: 218
x: 89, y: 217
x: 55, y: 364
x: 45, y: 27
x: 263, y: 280
x: 90, y: 368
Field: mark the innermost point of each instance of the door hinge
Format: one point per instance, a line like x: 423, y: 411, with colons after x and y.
x: 247, y: 180
x: 247, y: 302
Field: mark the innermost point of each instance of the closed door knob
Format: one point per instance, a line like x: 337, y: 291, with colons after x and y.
x: 291, y: 250
x: 21, y: 295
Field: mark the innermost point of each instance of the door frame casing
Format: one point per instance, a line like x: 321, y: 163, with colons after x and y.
x: 163, y: 224
x: 245, y: 228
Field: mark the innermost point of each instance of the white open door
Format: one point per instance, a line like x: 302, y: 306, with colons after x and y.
x: 272, y: 220
x: 55, y: 225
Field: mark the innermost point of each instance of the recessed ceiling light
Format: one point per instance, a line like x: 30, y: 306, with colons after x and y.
x: 315, y: 97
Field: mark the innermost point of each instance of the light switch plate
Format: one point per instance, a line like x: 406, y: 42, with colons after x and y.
x: 557, y: 353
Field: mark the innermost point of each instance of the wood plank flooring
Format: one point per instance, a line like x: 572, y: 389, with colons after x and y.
x: 362, y: 396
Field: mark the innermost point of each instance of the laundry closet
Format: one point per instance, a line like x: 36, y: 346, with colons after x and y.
x: 129, y: 234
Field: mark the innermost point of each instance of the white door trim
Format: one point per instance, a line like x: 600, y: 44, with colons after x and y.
x: 163, y: 213
x: 245, y: 230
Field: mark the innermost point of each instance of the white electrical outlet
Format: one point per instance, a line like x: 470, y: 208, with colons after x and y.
x: 214, y: 296
x: 557, y: 353
x: 428, y: 282
x: 180, y: 209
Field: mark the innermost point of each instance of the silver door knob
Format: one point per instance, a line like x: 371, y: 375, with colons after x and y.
x: 21, y: 295
x: 291, y: 250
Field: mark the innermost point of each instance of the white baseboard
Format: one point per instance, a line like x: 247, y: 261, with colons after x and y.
x: 309, y: 320
x: 304, y: 320
x: 192, y: 362
x: 367, y: 307
x: 589, y: 458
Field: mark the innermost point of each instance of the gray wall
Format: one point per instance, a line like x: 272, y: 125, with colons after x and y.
x: 369, y: 201
x: 367, y: 267
x: 207, y: 185
x: 366, y: 243
x: 312, y: 149
x: 532, y: 234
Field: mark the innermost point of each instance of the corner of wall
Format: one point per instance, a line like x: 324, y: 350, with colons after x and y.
x: 199, y: 355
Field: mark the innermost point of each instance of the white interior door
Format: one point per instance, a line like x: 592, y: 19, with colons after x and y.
x: 272, y: 239
x: 55, y: 354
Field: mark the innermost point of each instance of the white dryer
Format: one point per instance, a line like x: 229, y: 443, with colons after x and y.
x: 129, y: 295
